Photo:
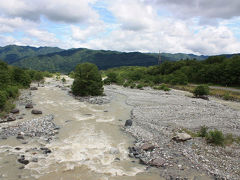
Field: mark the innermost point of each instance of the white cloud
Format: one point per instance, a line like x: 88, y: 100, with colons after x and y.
x: 68, y: 11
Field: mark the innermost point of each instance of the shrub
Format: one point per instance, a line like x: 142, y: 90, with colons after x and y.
x: 229, y: 139
x: 227, y: 96
x: 215, y: 137
x: 3, y: 99
x: 106, y: 81
x: 63, y: 80
x: 87, y: 81
x: 132, y: 86
x: 140, y: 86
x: 203, y: 131
x: 162, y: 87
x: 126, y: 84
x: 12, y: 91
x: 201, y: 90
x: 112, y: 77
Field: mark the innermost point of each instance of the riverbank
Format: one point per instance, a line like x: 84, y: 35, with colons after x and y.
x: 157, y: 116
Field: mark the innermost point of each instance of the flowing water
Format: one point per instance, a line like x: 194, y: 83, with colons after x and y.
x: 90, y: 144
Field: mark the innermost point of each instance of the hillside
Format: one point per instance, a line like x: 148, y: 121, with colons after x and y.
x: 55, y: 59
x: 14, y: 53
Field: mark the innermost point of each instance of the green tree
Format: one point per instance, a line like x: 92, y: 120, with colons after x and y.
x: 201, y: 90
x: 87, y: 80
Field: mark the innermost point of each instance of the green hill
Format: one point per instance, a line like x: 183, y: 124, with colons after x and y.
x: 57, y: 60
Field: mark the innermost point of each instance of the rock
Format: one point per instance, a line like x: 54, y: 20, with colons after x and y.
x: 15, y: 111
x: 21, y: 167
x: 114, y: 151
x: 45, y: 150
x: 128, y: 122
x: 11, y: 118
x: 147, y: 147
x: 28, y: 106
x: 181, y: 137
x: 23, y: 160
x: 117, y: 159
x: 17, y: 148
x: 20, y: 136
x: 204, y: 97
x: 20, y: 117
x: 158, y: 162
x: 34, y: 111
x: 33, y: 88
x: 34, y: 159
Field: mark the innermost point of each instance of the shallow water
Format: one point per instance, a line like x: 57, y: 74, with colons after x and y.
x: 86, y: 148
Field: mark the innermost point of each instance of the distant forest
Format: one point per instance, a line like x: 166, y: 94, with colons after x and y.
x: 215, y: 70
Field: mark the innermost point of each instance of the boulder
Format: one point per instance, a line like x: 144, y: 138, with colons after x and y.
x: 128, y: 122
x: 34, y: 111
x: 15, y: 111
x: 29, y: 106
x: 158, y: 162
x: 33, y: 88
x: 45, y: 150
x: 147, y: 147
x: 11, y: 118
x: 23, y: 160
x: 180, y: 137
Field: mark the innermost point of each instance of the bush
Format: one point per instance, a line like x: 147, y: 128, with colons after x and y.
x: 63, y: 80
x: 140, y: 86
x: 132, y: 86
x: 12, y: 91
x: 203, y: 131
x: 215, y: 137
x: 126, y: 84
x: 201, y: 90
x: 162, y: 87
x: 87, y: 81
x: 227, y: 96
x: 3, y: 99
x: 112, y: 77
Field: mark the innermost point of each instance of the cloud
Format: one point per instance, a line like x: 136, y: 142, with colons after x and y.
x: 202, y: 8
x: 68, y: 11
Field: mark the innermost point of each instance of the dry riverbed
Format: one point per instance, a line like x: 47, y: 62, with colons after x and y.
x: 158, y: 115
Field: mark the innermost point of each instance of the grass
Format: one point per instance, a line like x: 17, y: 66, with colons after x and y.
x: 215, y: 137
x: 219, y: 93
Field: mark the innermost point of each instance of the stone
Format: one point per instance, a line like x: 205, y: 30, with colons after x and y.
x: 117, y: 159
x: 28, y: 106
x: 23, y: 160
x: 158, y: 162
x: 128, y: 122
x: 20, y: 136
x: 204, y: 97
x: 114, y: 151
x: 45, y: 150
x: 11, y: 118
x: 34, y: 159
x: 15, y: 111
x: 17, y: 148
x: 147, y: 147
x: 180, y: 137
x: 34, y: 111
x: 33, y: 88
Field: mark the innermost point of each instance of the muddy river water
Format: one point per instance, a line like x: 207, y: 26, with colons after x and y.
x: 90, y: 144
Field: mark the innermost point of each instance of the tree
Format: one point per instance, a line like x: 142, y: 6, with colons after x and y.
x: 201, y: 90
x: 87, y: 80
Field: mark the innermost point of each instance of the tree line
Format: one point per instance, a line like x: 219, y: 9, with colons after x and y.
x: 214, y: 70
x: 11, y: 80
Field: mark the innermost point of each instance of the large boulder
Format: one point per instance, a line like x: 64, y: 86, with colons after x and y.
x: 180, y: 137
x: 128, y: 122
x: 158, y: 162
x: 15, y: 111
x: 33, y: 88
x: 29, y: 106
x: 34, y: 111
x: 147, y: 147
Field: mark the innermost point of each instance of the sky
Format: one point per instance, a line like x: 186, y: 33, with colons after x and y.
x: 199, y: 27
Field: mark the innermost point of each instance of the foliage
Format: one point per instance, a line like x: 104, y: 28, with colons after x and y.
x: 215, y: 137
x: 162, y: 87
x: 203, y: 131
x: 140, y: 86
x: 201, y: 90
x: 3, y: 99
x: 63, y: 80
x: 87, y: 81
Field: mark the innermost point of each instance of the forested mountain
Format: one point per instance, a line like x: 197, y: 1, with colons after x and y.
x: 13, y: 53
x: 54, y: 59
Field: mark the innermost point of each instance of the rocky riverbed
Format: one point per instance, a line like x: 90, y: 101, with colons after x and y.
x: 157, y: 116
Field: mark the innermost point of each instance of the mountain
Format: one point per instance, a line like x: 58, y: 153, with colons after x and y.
x: 54, y: 59
x: 14, y: 53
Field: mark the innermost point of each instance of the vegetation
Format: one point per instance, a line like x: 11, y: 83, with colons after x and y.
x: 11, y: 80
x: 87, y: 81
x: 216, y: 137
x: 201, y: 90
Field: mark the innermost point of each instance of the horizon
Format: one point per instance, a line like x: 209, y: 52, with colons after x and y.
x: 199, y: 27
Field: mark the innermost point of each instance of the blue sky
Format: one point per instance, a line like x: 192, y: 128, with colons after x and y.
x: 186, y: 26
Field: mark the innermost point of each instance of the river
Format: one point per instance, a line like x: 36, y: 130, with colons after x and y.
x: 90, y: 144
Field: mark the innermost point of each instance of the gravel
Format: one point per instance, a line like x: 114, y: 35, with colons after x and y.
x: 157, y: 116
